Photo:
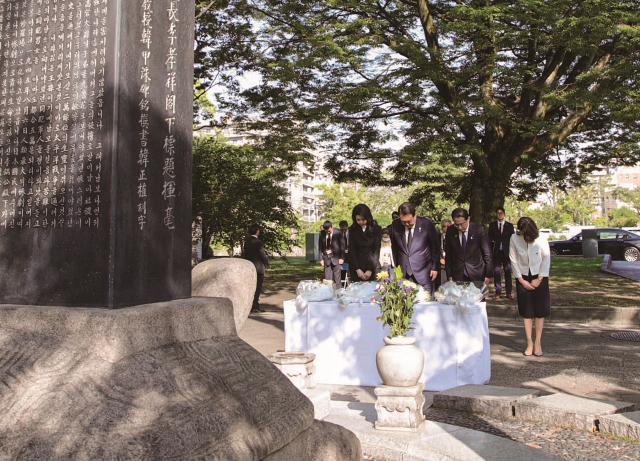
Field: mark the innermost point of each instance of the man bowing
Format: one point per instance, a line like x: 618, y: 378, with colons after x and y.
x: 467, y: 250
x: 416, y: 247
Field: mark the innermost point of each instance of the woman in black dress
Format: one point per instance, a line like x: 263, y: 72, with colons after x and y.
x: 364, y: 245
x: 530, y: 262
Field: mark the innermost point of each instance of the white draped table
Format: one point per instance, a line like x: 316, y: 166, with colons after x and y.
x: 345, y: 341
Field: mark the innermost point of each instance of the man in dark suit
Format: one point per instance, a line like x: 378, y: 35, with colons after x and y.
x: 467, y: 250
x: 416, y: 247
x: 331, y: 246
x: 254, y: 252
x: 500, y: 233
x: 443, y: 240
x: 344, y: 228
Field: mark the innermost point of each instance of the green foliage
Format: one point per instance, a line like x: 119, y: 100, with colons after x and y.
x: 234, y: 188
x: 338, y: 200
x: 203, y: 109
x: 623, y: 217
x: 629, y: 196
x: 396, y: 297
x: 472, y: 99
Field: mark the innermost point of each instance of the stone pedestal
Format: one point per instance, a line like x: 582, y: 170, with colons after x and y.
x: 158, y: 381
x: 400, y: 408
x: 297, y: 366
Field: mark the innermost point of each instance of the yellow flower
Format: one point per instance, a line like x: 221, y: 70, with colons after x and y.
x: 382, y: 275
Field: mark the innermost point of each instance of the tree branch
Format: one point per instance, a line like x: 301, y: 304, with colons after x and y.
x: 205, y: 9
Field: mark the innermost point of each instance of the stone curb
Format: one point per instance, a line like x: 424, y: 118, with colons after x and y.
x: 563, y: 410
x: 606, y: 263
x: 606, y: 267
x: 622, y: 425
x: 626, y: 317
x: 476, y: 398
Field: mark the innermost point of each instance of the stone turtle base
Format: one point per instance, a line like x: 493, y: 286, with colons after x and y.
x: 160, y: 381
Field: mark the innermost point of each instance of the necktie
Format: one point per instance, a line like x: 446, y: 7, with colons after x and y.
x: 500, y: 228
x: 328, y: 240
x: 464, y: 242
x: 409, y: 238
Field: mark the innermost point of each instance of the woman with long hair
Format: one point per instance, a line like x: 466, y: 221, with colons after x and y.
x: 365, y: 236
x: 530, y: 262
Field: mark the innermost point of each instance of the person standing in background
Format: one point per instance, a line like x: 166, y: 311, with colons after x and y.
x: 500, y: 233
x: 444, y: 225
x: 386, y: 254
x: 254, y: 252
x: 531, y: 261
x: 344, y: 228
x: 331, y: 247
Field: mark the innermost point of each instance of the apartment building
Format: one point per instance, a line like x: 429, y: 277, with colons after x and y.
x: 301, y: 185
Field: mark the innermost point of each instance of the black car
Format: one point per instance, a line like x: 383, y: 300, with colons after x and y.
x: 620, y: 244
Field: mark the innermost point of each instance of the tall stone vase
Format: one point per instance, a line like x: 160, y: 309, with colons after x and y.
x: 399, y: 400
x: 400, y: 362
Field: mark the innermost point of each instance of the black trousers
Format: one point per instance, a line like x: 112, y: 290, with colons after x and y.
x: 256, y: 295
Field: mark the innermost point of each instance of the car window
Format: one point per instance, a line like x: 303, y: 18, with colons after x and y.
x: 607, y: 235
x: 578, y: 237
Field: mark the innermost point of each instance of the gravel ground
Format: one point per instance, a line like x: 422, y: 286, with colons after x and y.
x: 569, y: 444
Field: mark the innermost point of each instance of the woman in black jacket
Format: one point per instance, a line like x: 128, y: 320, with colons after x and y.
x: 364, y: 245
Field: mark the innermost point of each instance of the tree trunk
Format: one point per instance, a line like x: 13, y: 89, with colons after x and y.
x: 487, y: 194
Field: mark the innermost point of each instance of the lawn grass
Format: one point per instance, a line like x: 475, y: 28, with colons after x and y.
x: 283, y: 273
x: 578, y: 282
x: 574, y: 282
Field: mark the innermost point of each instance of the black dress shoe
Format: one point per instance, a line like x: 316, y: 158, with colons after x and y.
x: 257, y: 309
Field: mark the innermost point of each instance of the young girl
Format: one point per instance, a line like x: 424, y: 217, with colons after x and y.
x: 386, y: 256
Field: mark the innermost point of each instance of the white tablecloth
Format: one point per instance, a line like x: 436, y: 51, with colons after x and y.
x: 345, y: 341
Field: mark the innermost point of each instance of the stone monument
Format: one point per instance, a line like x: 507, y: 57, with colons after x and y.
x: 95, y: 142
x: 104, y: 354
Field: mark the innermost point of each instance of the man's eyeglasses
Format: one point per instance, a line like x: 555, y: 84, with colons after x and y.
x: 459, y: 225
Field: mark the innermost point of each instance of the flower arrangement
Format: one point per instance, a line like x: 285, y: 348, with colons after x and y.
x: 396, y: 298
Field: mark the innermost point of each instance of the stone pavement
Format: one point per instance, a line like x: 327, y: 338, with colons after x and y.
x: 626, y: 269
x: 579, y: 360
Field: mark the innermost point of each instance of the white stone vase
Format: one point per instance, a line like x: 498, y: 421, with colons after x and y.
x: 400, y: 362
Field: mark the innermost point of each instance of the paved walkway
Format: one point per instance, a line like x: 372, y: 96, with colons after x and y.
x: 629, y: 270
x: 578, y: 360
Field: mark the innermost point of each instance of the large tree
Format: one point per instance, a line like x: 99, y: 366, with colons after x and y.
x: 233, y: 188
x: 485, y: 96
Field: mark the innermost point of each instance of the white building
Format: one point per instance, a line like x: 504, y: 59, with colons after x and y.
x: 604, y: 183
x: 625, y: 177
x: 302, y: 184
